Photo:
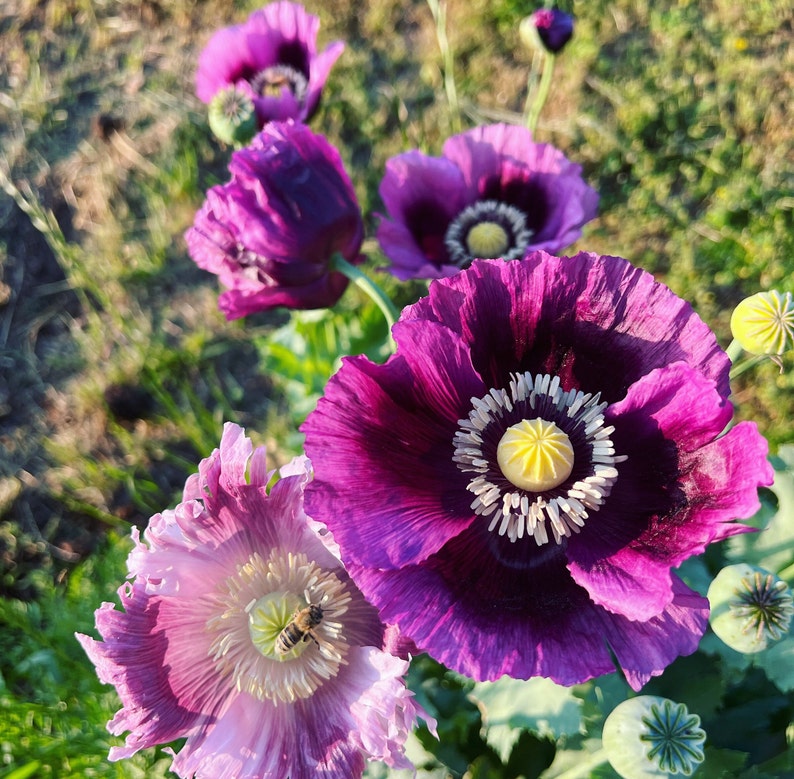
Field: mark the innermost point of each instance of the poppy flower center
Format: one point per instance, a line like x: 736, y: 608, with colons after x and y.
x: 766, y: 605
x: 487, y: 240
x: 541, y: 457
x: 278, y: 633
x: 535, y: 455
x: 487, y: 229
x: 272, y: 81
x: 269, y: 617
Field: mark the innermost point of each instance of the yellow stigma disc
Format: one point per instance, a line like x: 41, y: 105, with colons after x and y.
x: 487, y: 240
x: 535, y: 455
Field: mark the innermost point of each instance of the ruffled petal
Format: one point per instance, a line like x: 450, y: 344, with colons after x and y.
x: 468, y: 608
x: 223, y: 61
x: 480, y: 152
x: 598, y: 323
x: 624, y: 554
x: 422, y: 195
x: 408, y: 261
x: 366, y: 709
x: 320, y: 70
x: 681, y: 481
x: 645, y: 649
x: 501, y: 162
x: 415, y: 185
x: 721, y: 481
x: 132, y: 658
x: 178, y: 650
x: 295, y: 25
x: 414, y: 422
x: 270, y: 233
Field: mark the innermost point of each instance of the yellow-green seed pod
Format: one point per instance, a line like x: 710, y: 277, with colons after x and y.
x: 764, y: 323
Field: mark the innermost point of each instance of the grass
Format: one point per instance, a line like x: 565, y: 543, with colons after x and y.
x: 117, y: 369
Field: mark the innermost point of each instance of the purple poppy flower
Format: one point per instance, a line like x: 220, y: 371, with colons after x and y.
x: 271, y: 231
x: 513, y: 487
x: 272, y: 57
x: 493, y: 193
x: 242, y: 632
x: 554, y: 28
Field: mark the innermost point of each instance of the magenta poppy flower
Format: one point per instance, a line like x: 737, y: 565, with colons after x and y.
x: 270, y: 232
x: 493, y: 193
x: 513, y: 487
x: 242, y: 632
x: 272, y: 57
x: 554, y: 28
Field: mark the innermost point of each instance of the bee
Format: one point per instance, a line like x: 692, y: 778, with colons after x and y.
x: 300, y: 628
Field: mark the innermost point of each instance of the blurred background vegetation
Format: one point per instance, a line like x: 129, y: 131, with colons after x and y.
x: 116, y: 369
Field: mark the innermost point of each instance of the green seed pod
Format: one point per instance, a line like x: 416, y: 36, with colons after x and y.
x: 649, y: 737
x: 232, y: 117
x: 750, y: 607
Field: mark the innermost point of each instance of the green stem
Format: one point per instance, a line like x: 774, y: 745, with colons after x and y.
x: 583, y: 768
x: 439, y: 10
x: 532, y: 83
x: 739, y: 368
x: 787, y: 574
x: 366, y: 285
x: 734, y: 350
x: 543, y: 92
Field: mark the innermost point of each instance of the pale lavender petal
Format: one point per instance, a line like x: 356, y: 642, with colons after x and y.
x: 181, y: 651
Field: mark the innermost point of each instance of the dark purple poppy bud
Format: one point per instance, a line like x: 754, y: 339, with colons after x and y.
x: 554, y: 28
x: 270, y: 232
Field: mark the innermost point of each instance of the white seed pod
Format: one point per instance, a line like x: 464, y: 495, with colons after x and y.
x: 751, y: 608
x: 649, y: 737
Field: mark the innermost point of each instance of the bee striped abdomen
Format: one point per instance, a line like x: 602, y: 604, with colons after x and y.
x: 300, y: 628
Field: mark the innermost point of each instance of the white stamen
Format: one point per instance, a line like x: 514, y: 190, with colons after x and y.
x: 514, y: 511
x: 294, y: 581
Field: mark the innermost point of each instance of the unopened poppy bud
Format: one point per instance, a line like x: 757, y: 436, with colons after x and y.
x: 649, y: 737
x: 549, y: 27
x: 271, y: 231
x: 764, y: 323
x: 750, y: 607
x: 232, y: 117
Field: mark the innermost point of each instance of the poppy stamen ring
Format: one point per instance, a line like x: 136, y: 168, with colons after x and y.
x: 541, y: 456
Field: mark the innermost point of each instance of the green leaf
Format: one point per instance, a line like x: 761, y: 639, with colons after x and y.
x: 772, y: 548
x: 778, y: 662
x: 695, y: 680
x: 540, y: 706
